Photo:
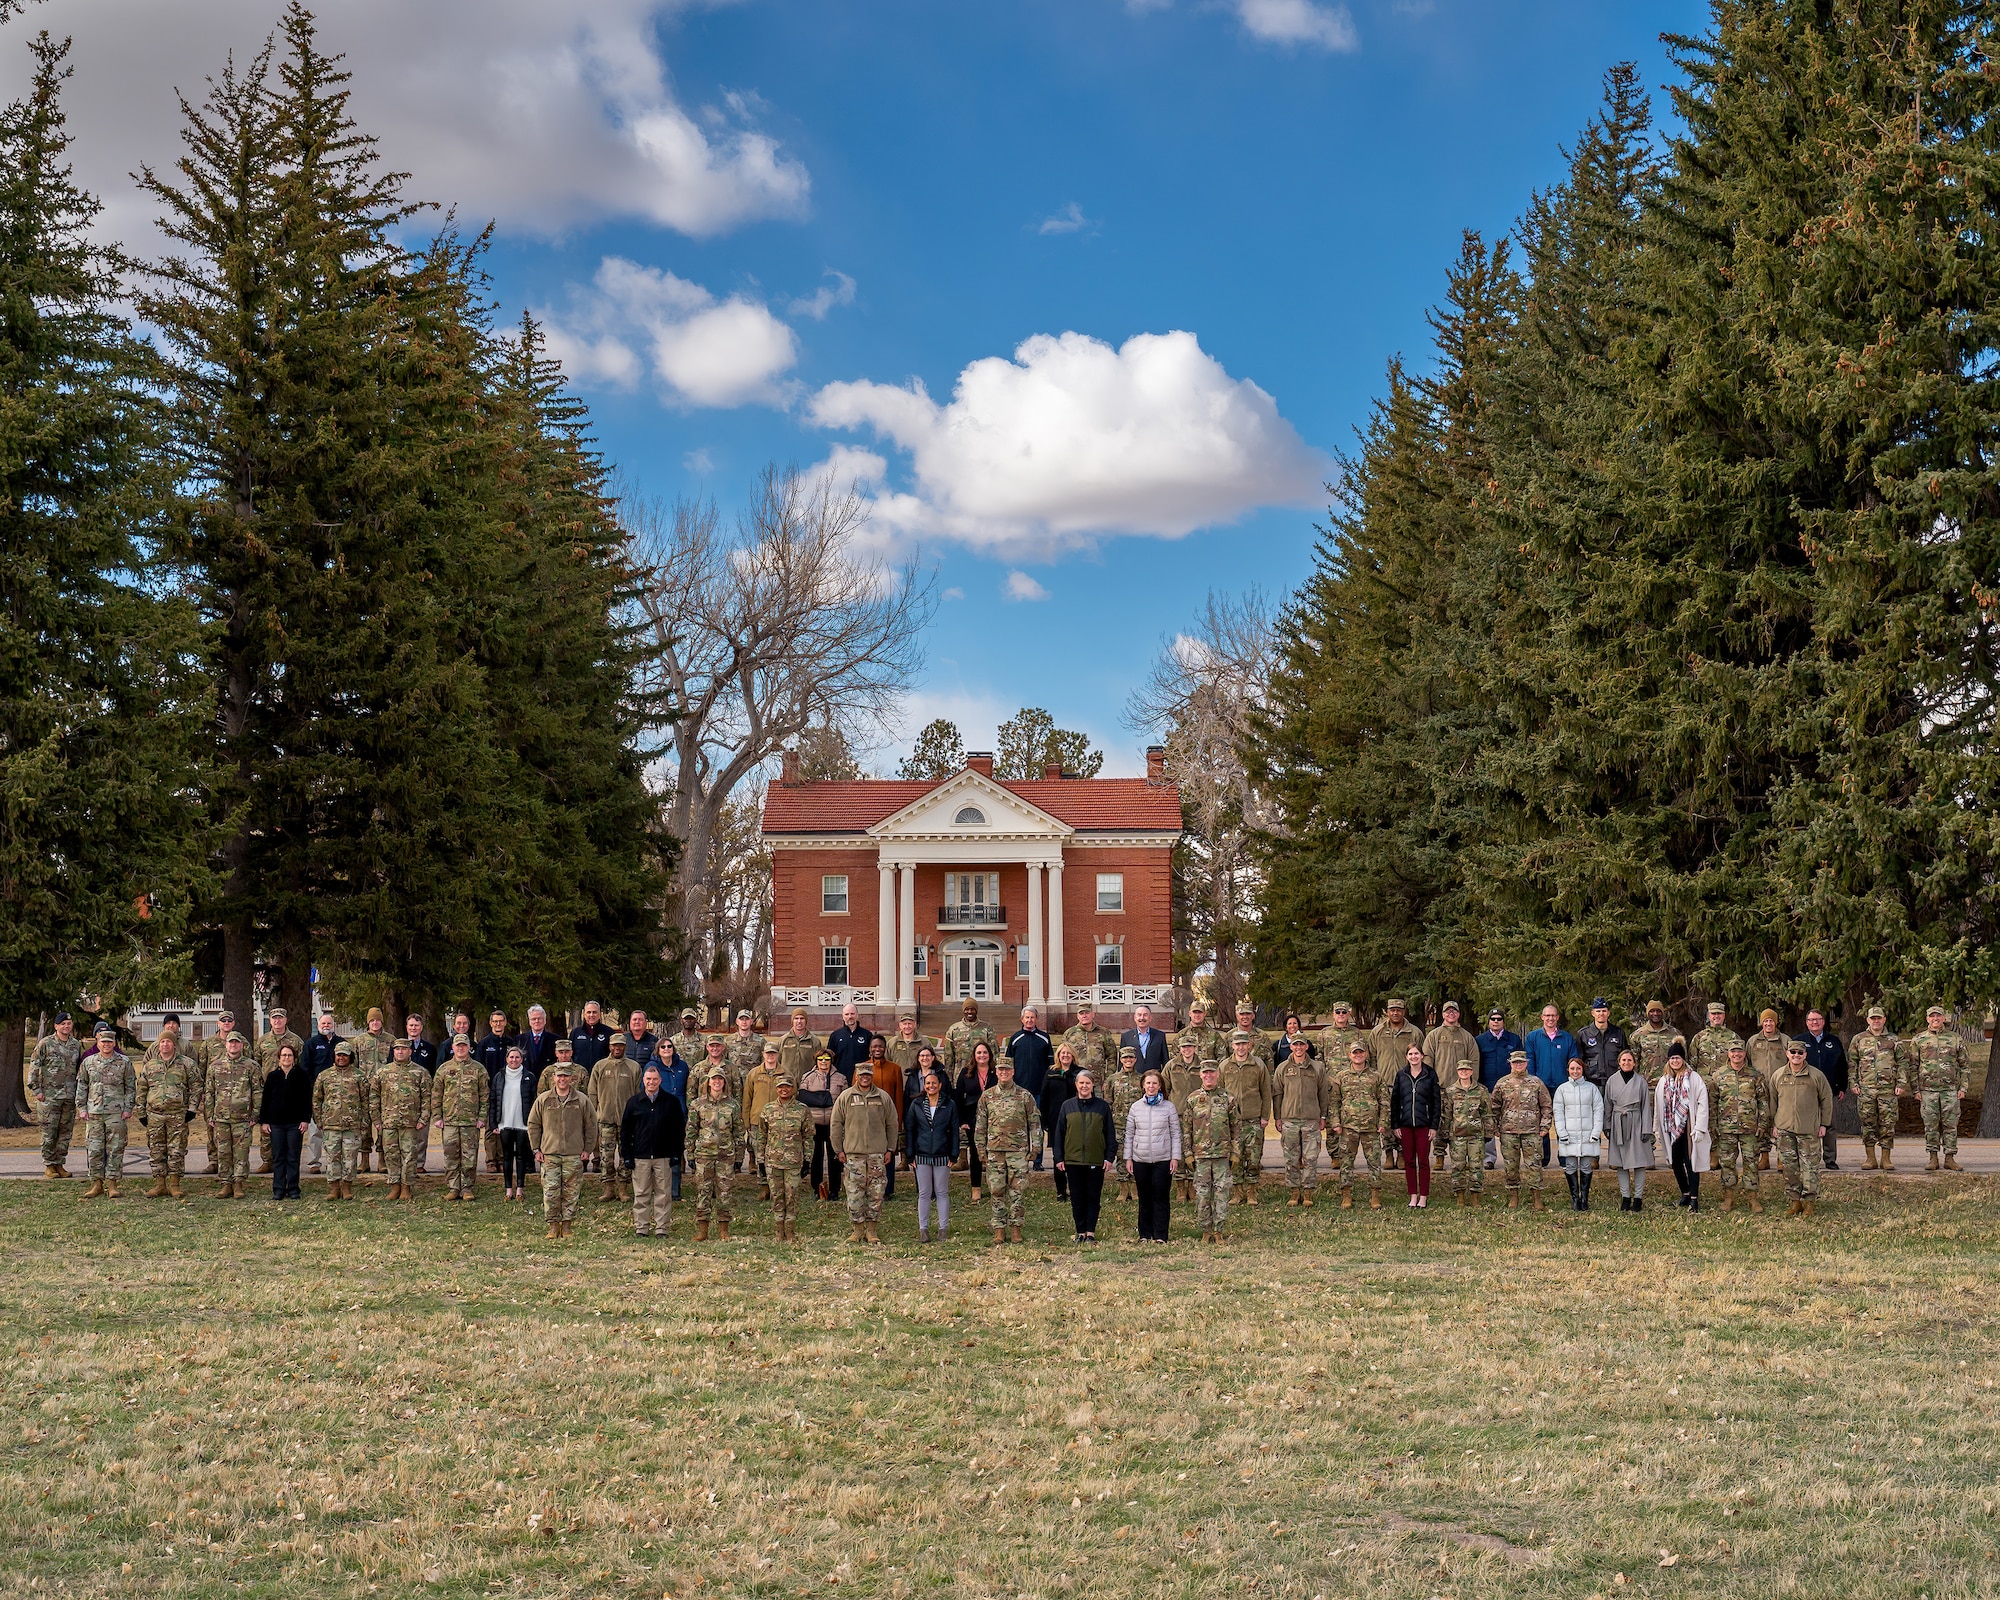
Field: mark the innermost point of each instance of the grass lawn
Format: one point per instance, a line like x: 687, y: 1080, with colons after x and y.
x: 222, y: 1399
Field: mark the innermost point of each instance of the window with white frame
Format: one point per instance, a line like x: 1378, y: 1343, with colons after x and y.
x: 1111, y: 963
x: 833, y: 894
x: 920, y: 961
x: 1021, y: 961
x: 970, y: 817
x: 833, y: 966
x: 1111, y: 891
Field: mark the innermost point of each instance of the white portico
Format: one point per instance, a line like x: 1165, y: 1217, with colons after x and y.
x: 967, y: 828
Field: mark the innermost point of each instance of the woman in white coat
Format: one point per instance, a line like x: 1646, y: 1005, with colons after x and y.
x: 1579, y: 1131
x: 1680, y: 1123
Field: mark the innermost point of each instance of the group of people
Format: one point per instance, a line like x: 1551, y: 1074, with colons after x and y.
x: 836, y: 1117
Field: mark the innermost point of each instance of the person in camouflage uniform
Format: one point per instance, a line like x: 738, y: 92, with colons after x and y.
x: 1522, y: 1114
x: 1122, y: 1088
x: 1875, y: 1072
x: 458, y: 1111
x: 1094, y: 1049
x: 1339, y: 1036
x: 690, y: 1044
x: 107, y: 1088
x: 1466, y: 1119
x: 788, y: 1142
x: 1210, y: 1043
x: 743, y: 1056
x: 1183, y: 1078
x: 206, y: 1055
x: 1003, y: 1132
x: 1444, y: 1047
x: 52, y: 1081
x: 613, y: 1081
x: 1739, y: 1114
x: 1358, y: 1111
x: 560, y: 1129
x: 714, y: 1134
x: 1767, y: 1055
x: 865, y: 1134
x: 233, y: 1097
x: 371, y: 1055
x: 1802, y: 1102
x: 1302, y: 1097
x: 1389, y: 1043
x: 962, y: 1035
x: 799, y: 1049
x: 400, y: 1101
x: 1248, y: 1081
x: 903, y: 1051
x: 1710, y: 1047
x: 1208, y: 1139
x: 1935, y: 1066
x: 340, y: 1112
x: 278, y: 1035
x: 170, y: 1087
x: 1653, y: 1038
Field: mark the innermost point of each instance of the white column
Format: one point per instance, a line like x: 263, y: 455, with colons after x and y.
x: 1035, y: 995
x: 1057, y: 996
x: 906, y: 959
x: 886, y: 936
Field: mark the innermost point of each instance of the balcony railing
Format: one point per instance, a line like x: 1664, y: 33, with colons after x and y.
x: 973, y: 916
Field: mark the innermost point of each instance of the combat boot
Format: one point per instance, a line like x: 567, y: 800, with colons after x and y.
x: 1346, y: 1199
x: 1298, y: 1198
x: 1472, y: 1200
x: 1538, y: 1201
x: 1309, y: 1199
x: 1951, y: 1162
x: 764, y: 1190
x: 226, y: 1190
x: 1207, y: 1236
x: 96, y: 1188
x: 1868, y: 1165
x: 722, y: 1229
x: 554, y: 1232
x: 159, y: 1189
x: 174, y: 1185
x: 874, y: 1237
x: 999, y: 1237
x: 1221, y: 1237
x: 1513, y: 1199
x: 1795, y: 1208
x: 1728, y: 1199
x: 609, y: 1195
x: 1807, y: 1206
x: 701, y: 1230
x: 1250, y: 1196
x: 1458, y: 1199
x: 111, y: 1188
x: 49, y: 1171
x: 1764, y: 1162
x: 1374, y: 1199
x: 1756, y: 1204
x: 1887, y: 1164
x: 1931, y: 1165
x: 1014, y: 1233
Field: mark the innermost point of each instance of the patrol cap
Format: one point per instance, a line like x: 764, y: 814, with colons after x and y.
x: 565, y: 1048
x: 771, y: 1048
x: 1342, y: 1005
x: 1187, y: 1044
x: 1242, y: 1036
x: 225, y: 1016
x: 1388, y: 1005
x: 1465, y: 1066
x: 1211, y: 1066
x: 1199, y: 1004
x: 1085, y: 1005
x: 461, y: 1038
x: 279, y: 1011
x: 1935, y: 1011
x: 901, y: 1013
x: 1357, y: 1046
x: 1450, y: 1005
x: 867, y: 1066
x: 1299, y: 1041
x: 1516, y: 1055
x: 718, y: 1071
x: 1246, y: 1008
x: 402, y: 1044
x: 1130, y: 1052
x: 744, y: 1016
x: 105, y: 1027
x: 343, y: 1049
x: 1877, y: 1011
x: 1795, y: 1048
x: 617, y: 1038
x: 1715, y: 1006
x: 565, y: 1069
x: 1738, y: 1048
x: 1600, y: 1004
x: 689, y: 1014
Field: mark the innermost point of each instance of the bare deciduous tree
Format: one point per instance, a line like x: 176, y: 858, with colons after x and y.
x: 1198, y: 697
x: 762, y: 635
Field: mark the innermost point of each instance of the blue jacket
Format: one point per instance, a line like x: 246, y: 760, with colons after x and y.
x: 1830, y: 1056
x: 319, y: 1053
x: 588, y: 1045
x: 1549, y: 1059
x: 1493, y: 1054
x: 673, y: 1074
x: 1033, y: 1053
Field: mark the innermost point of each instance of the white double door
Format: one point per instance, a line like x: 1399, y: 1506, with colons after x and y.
x: 972, y: 969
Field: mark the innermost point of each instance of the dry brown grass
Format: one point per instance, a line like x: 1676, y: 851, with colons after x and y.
x: 212, y: 1399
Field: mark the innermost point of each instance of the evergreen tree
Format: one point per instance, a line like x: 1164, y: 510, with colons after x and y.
x: 938, y: 753
x: 101, y: 691
x: 1030, y: 743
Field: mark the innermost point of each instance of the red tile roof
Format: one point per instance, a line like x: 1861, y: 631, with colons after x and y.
x: 1090, y: 805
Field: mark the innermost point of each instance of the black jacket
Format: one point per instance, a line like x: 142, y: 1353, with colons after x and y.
x: 643, y: 1050
x: 653, y: 1128
x: 931, y: 1135
x: 967, y: 1094
x: 1830, y: 1056
x: 1058, y: 1089
x: 913, y: 1084
x: 496, y: 1088
x: 492, y: 1048
x: 538, y: 1054
x: 425, y: 1054
x: 288, y: 1097
x: 849, y: 1047
x: 1600, y: 1050
x: 1413, y: 1102
x: 1072, y: 1130
x: 319, y: 1054
x: 1034, y: 1055
x: 1153, y: 1058
x: 588, y: 1045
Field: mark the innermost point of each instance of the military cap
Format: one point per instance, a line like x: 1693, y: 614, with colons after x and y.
x: 901, y: 1012
x: 797, y: 1011
x: 689, y: 1014
x: 1600, y: 1004
x: 1388, y: 1004
x: 718, y: 1070
x: 617, y: 1038
x: 1936, y: 1011
x: 1343, y: 1005
x: 105, y: 1027
x: 62, y: 1016
x: 1246, y: 1008
x: 770, y: 1047
x: 402, y: 1043
x: 1877, y: 1011
x: 279, y: 1011
x: 461, y: 1038
x: 343, y: 1049
x: 1211, y: 1066
x: 1718, y: 1005
x: 1465, y: 1066
x: 1357, y: 1045
x: 1516, y: 1055
x: 1738, y: 1048
x: 565, y: 1069
x: 1795, y: 1048
x: 1130, y: 1052
x: 1186, y: 1044
x: 1242, y: 1036
x: 1196, y: 1003
x: 868, y: 1066
x: 172, y: 1016
x: 824, y: 1055
x: 1298, y: 1041
x: 225, y: 1016
x: 1451, y: 1005
x: 744, y: 1016
x: 375, y: 1014
x: 565, y: 1048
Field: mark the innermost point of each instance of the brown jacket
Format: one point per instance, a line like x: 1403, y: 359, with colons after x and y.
x: 864, y: 1124
x: 562, y: 1125
x: 1299, y: 1091
x: 613, y: 1081
x: 1805, y: 1101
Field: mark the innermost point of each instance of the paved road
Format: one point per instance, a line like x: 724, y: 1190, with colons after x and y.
x: 1974, y: 1155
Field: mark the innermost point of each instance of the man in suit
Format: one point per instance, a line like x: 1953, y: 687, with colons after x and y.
x: 538, y: 1045
x: 1143, y: 1037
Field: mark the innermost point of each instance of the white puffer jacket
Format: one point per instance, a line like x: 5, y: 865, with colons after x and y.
x: 1152, y: 1133
x: 1579, y: 1118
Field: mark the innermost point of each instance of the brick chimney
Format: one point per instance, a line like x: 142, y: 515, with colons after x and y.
x: 1051, y: 772
x: 979, y: 761
x: 1156, y: 763
x: 788, y: 772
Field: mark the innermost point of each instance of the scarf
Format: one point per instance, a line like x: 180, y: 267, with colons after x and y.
x: 1152, y: 1099
x: 1675, y: 1101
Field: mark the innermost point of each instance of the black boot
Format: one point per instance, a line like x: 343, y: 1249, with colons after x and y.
x: 1583, y: 1182
x: 1570, y: 1179
x: 1638, y: 1204
x: 1624, y: 1202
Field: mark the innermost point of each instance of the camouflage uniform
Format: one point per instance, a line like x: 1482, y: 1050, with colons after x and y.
x: 963, y: 1034
x: 267, y: 1063
x: 1302, y: 1095
x: 788, y: 1141
x: 1210, y: 1042
x: 52, y: 1080
x: 1122, y: 1091
x: 1936, y: 1069
x: 1522, y: 1112
x: 904, y: 1054
x: 371, y: 1055
x: 865, y: 1134
x: 1183, y: 1078
x: 458, y: 1102
x: 1249, y: 1085
x: 743, y: 1055
x: 107, y: 1088
x: 690, y: 1044
x: 1710, y: 1049
x: 399, y: 1100
x: 1094, y: 1049
x: 714, y: 1134
x: 233, y: 1097
x: 1466, y: 1118
x: 1739, y: 1113
x: 169, y: 1095
x: 1358, y: 1104
x: 340, y: 1108
x: 1876, y: 1073
x: 1002, y: 1133
x: 1208, y: 1136
x: 1650, y: 1045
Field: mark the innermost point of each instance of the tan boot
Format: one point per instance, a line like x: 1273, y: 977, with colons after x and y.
x: 873, y: 1236
x: 555, y: 1230
x: 1014, y: 1233
x: 1764, y: 1162
x: 1374, y: 1199
x: 701, y: 1230
x: 1472, y: 1200
x: 763, y: 1191
x: 1346, y: 1199
x: 1538, y: 1201
x: 96, y: 1188
x: 1297, y: 1198
x: 1756, y: 1204
x: 1887, y: 1164
x: 174, y: 1186
x: 1308, y: 1200
x: 722, y: 1229
x: 1931, y: 1165
x: 49, y: 1171
x: 609, y: 1195
x: 1513, y: 1199
x: 1250, y: 1197
x: 1795, y: 1208
x: 111, y: 1188
x: 999, y: 1236
x: 1807, y: 1205
x: 1868, y: 1165
x: 1728, y: 1199
x: 159, y: 1189
x: 1951, y: 1161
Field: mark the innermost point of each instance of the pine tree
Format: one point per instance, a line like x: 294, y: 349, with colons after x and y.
x: 1031, y: 743
x: 101, y: 693
x: 938, y: 753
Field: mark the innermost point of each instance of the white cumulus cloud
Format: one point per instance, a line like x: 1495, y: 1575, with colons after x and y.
x: 1020, y: 586
x: 1072, y: 440
x: 542, y: 116
x: 1294, y: 22
x: 634, y: 321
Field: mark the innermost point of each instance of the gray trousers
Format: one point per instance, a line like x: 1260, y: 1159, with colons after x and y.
x: 1631, y: 1182
x: 933, y: 1193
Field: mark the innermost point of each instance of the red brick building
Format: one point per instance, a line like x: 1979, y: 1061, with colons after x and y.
x: 1050, y: 892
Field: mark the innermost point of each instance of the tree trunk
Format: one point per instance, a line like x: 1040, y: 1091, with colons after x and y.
x: 14, y: 1107
x: 395, y: 1007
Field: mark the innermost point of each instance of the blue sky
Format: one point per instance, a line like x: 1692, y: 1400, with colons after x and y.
x: 754, y: 226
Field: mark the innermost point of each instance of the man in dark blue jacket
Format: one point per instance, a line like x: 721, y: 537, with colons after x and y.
x: 422, y: 1051
x: 1496, y: 1044
x: 590, y: 1039
x: 491, y: 1048
x: 1825, y: 1051
x: 849, y: 1042
x: 319, y: 1048
x: 1033, y: 1054
x: 538, y: 1046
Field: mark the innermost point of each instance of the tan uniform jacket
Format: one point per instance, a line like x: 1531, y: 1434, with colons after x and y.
x: 562, y: 1125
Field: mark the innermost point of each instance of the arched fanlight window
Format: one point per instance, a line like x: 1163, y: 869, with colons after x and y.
x: 969, y: 817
